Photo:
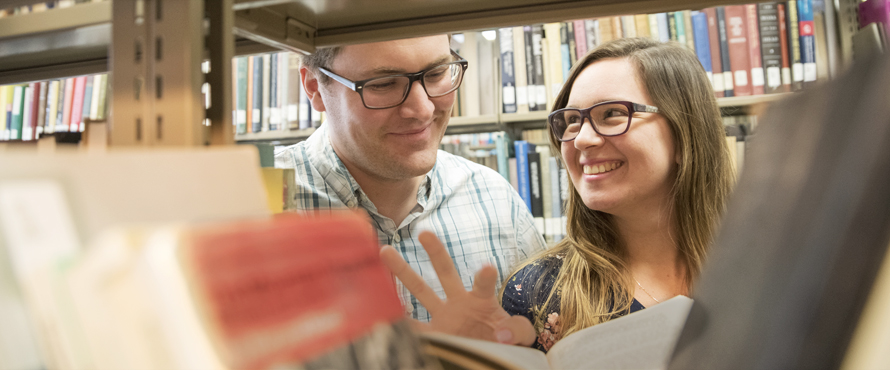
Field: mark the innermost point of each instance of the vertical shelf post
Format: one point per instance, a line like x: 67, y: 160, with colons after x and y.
x: 220, y: 45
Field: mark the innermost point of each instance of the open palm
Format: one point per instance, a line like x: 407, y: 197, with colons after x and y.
x: 475, y: 313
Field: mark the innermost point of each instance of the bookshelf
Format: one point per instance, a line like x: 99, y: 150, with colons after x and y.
x: 77, y: 40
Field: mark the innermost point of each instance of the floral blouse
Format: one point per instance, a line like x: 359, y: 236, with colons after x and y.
x: 528, y: 289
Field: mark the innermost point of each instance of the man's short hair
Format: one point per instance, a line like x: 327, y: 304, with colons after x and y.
x: 323, y: 57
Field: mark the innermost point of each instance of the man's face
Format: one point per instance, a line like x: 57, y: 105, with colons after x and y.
x: 394, y: 143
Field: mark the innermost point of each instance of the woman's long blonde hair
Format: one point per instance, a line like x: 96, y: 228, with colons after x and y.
x: 593, y: 284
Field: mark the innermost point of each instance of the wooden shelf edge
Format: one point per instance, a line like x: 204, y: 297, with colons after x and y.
x: 53, y: 20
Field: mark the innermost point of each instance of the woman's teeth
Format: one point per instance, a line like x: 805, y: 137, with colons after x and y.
x: 601, y: 168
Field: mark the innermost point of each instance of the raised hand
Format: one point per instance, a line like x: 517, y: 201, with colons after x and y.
x: 473, y: 314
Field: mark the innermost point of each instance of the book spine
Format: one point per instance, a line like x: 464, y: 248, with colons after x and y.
x: 18, y: 103
x: 283, y: 86
x: 681, y: 27
x: 241, y: 95
x: 293, y: 91
x: 86, y: 110
x: 555, y: 201
x: 664, y: 31
x: 25, y: 131
x: 672, y: 27
x: 784, y: 48
x: 807, y: 40
x: 76, y: 117
x: 702, y: 43
x: 257, y: 111
x: 94, y: 100
x: 532, y: 89
x: 274, y: 116
x: 66, y: 111
x: 565, y: 51
x: 521, y: 148
x: 728, y: 88
x: 570, y: 39
x: 605, y: 31
x: 103, y: 96
x: 38, y: 107
x: 642, y: 23
x: 791, y: 22
x: 754, y: 57
x: 546, y: 206
x: 502, y: 141
x: 538, y: 63
x: 520, y: 70
x: 653, y: 27
x: 580, y: 39
x: 534, y: 179
x: 508, y: 72
x: 52, y: 106
x: 41, y: 110
x: 4, y: 112
x: 617, y: 30
x: 628, y: 26
x: 687, y: 26
x: 770, y: 48
x: 591, y: 27
x: 264, y: 92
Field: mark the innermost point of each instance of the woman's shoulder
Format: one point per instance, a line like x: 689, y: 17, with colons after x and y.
x: 546, y: 266
x: 531, y: 285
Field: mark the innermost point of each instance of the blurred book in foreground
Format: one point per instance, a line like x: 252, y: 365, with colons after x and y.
x: 251, y: 294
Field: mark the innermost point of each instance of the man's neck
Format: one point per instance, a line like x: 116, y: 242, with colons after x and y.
x: 394, y: 199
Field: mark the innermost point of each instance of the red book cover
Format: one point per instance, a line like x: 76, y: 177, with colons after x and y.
x: 76, y: 116
x: 714, y: 41
x: 290, y: 288
x: 757, y: 76
x: 737, y: 38
x: 35, y: 104
x: 783, y: 44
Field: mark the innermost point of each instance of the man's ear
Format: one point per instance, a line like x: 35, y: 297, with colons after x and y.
x: 310, y: 86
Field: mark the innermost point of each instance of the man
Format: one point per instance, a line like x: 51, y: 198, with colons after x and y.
x: 387, y: 105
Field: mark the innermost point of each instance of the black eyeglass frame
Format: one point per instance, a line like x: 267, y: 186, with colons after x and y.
x: 358, y: 86
x: 585, y: 114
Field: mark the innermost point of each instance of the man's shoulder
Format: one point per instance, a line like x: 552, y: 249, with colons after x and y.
x: 292, y: 156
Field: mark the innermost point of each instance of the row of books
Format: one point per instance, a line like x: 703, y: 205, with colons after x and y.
x: 268, y: 96
x: 30, y: 110
x: 538, y: 176
x: 42, y: 6
x: 750, y: 49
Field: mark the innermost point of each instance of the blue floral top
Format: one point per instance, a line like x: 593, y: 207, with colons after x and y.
x: 529, y: 288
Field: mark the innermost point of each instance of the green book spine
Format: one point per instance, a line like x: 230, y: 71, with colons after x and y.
x: 241, y: 103
x: 18, y: 108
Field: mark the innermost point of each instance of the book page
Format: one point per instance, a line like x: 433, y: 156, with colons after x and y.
x: 642, y: 340
x: 510, y: 356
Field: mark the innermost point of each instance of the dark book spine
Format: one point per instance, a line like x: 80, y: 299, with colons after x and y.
x: 714, y: 43
x: 728, y: 89
x: 791, y: 23
x: 508, y: 77
x: 535, y: 186
x: 770, y: 46
x: 530, y: 69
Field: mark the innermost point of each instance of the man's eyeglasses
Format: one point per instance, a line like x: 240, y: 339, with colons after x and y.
x: 611, y: 118
x: 390, y: 91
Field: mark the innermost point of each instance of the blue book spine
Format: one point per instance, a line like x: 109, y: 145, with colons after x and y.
x: 522, y: 147
x: 807, y: 39
x: 87, y: 99
x: 702, y: 43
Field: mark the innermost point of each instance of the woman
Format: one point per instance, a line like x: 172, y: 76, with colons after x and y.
x: 639, y: 132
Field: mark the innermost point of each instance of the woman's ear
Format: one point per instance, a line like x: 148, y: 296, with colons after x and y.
x: 311, y: 86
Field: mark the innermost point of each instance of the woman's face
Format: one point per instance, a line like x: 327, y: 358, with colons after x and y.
x: 626, y: 174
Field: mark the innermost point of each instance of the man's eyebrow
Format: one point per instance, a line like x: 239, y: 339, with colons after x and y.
x: 382, y: 71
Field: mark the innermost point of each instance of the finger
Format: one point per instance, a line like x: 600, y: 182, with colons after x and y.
x: 485, y: 282
x: 516, y: 330
x: 442, y: 263
x: 410, y: 279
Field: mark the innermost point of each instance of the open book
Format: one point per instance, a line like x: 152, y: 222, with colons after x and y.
x: 642, y: 340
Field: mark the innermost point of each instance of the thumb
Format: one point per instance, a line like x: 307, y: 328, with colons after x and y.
x: 515, y: 330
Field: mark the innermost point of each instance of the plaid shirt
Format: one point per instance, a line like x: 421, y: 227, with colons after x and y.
x: 475, y: 212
